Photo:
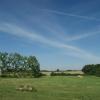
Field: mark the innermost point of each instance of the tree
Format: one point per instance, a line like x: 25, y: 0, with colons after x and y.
x: 92, y: 69
x: 97, y: 68
x: 10, y: 62
x: 25, y: 66
x: 34, y: 65
x: 3, y: 62
x: 57, y: 70
x: 15, y: 64
x: 17, y: 61
x: 89, y: 69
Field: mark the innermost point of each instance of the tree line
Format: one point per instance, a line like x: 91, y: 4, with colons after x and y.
x: 92, y: 69
x: 15, y: 64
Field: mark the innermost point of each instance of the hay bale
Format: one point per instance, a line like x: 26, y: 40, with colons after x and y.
x: 26, y: 88
x: 79, y: 76
x: 20, y: 88
x: 29, y: 88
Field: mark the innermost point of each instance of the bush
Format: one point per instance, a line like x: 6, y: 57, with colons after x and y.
x: 92, y: 69
x: 62, y: 74
x: 98, y: 72
x: 57, y: 74
x: 89, y: 69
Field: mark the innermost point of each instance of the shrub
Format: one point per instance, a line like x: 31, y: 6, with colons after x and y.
x: 92, y: 69
x: 62, y: 74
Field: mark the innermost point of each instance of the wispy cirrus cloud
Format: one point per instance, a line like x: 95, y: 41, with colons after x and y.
x: 31, y: 35
x: 61, y: 32
x: 70, y: 14
x: 82, y: 36
x: 18, y: 31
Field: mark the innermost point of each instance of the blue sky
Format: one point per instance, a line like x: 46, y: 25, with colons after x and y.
x: 62, y: 34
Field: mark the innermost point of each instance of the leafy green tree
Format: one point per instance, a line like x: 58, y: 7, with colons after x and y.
x: 25, y: 66
x: 58, y: 70
x: 10, y: 62
x: 16, y: 64
x: 3, y: 61
x: 92, y: 69
x: 88, y: 69
x: 34, y: 65
x: 97, y: 69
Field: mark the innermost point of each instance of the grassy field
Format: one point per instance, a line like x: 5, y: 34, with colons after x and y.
x: 74, y: 72
x: 52, y: 88
x: 68, y: 72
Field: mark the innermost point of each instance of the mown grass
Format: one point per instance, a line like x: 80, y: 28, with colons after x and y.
x: 51, y: 88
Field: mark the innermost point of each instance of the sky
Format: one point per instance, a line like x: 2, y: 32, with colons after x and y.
x: 62, y: 34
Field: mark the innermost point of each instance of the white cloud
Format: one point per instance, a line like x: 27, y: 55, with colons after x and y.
x: 70, y: 14
x: 15, y: 30
x: 57, y: 29
x: 82, y: 36
x: 74, y: 51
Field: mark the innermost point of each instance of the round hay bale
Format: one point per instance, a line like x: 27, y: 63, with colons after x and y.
x: 26, y: 88
x: 79, y: 76
x: 20, y: 88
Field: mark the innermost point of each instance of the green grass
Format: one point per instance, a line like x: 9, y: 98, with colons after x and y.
x: 74, y: 72
x: 51, y: 88
x: 68, y: 72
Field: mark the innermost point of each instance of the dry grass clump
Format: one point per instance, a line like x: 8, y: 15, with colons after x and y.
x: 26, y: 88
x: 79, y: 76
